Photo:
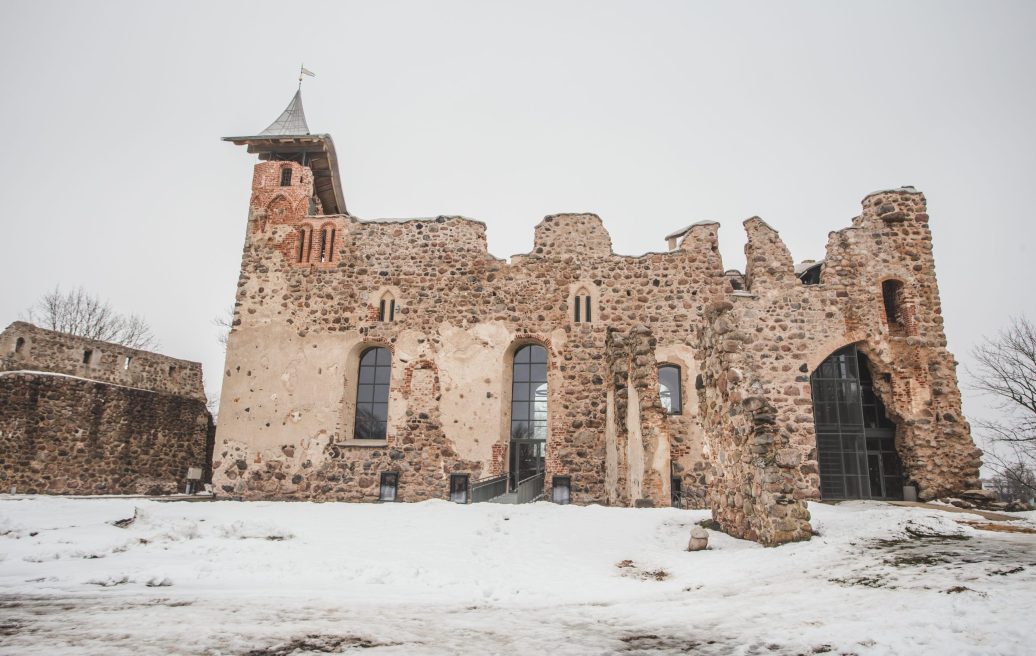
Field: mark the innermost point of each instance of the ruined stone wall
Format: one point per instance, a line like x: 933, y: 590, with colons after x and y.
x: 761, y: 345
x: 309, y: 301
x: 25, y: 347
x: 64, y: 435
x: 287, y: 411
x: 121, y: 421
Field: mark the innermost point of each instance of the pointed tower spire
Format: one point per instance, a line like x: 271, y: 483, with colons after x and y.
x: 292, y: 120
x: 288, y: 139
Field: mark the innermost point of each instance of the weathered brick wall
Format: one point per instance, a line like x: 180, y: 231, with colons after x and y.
x: 65, y: 435
x: 25, y: 347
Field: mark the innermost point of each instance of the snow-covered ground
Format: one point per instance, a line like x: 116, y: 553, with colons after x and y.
x: 437, y: 578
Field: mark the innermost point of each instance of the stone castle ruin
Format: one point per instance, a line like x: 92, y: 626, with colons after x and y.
x: 81, y: 416
x: 398, y: 359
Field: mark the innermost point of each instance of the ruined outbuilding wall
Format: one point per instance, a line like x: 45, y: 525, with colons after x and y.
x: 25, y: 347
x: 102, y: 427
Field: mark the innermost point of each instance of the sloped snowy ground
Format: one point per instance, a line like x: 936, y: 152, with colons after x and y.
x: 285, y: 579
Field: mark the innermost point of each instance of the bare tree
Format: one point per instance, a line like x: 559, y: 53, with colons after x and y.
x: 78, y: 313
x: 224, y: 323
x: 1006, y: 370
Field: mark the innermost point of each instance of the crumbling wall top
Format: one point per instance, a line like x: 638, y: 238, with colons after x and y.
x: 577, y: 235
x: 25, y: 347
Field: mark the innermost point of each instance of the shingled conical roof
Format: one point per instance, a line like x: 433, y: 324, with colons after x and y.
x: 292, y: 120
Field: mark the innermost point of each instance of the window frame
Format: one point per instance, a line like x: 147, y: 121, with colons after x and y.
x: 388, y: 481
x: 286, y: 176
x: 677, y: 407
x: 378, y: 397
x: 466, y: 491
x: 559, y: 484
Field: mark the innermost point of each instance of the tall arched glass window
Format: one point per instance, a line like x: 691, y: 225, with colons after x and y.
x: 372, y: 392
x: 669, y: 388
x: 529, y: 393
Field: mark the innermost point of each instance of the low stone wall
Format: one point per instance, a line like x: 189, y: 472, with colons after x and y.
x: 65, y: 435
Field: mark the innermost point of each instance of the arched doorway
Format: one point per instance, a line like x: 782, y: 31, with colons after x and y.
x: 528, y: 414
x: 856, y: 441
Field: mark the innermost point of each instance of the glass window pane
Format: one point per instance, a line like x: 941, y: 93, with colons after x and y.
x: 369, y: 357
x: 520, y: 392
x: 381, y: 374
x: 365, y: 393
x: 380, y: 411
x: 523, y: 354
x: 520, y: 411
x: 538, y: 354
x: 538, y: 372
x: 366, y: 375
x: 381, y: 393
x: 521, y: 373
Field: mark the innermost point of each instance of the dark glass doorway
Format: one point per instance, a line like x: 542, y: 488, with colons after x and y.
x: 526, y: 459
x: 856, y: 446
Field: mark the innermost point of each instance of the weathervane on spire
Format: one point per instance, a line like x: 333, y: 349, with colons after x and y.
x: 304, y: 71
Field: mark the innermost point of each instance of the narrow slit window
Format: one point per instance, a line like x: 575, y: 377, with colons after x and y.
x: 302, y: 244
x: 19, y: 344
x: 677, y: 492
x: 387, y: 308
x: 459, y: 488
x: 127, y: 361
x: 583, y: 311
x: 323, y: 245
x: 88, y: 356
x: 285, y: 177
x: 891, y: 292
x: 389, y: 486
x: 331, y: 246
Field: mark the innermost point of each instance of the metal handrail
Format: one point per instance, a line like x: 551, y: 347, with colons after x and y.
x: 531, y: 488
x: 489, y: 488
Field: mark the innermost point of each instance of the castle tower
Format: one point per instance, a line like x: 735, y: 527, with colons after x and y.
x: 288, y: 140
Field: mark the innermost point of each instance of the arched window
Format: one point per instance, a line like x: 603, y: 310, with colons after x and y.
x: 286, y: 177
x: 583, y: 307
x: 19, y: 344
x: 529, y: 393
x: 892, y: 296
x: 327, y: 243
x: 669, y: 392
x: 372, y: 392
x: 856, y: 441
x: 322, y: 249
x: 528, y: 414
x: 387, y: 307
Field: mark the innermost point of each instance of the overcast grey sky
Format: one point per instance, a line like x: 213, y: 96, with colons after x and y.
x: 652, y: 114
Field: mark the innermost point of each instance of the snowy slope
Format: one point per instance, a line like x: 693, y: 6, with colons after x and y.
x: 438, y: 578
